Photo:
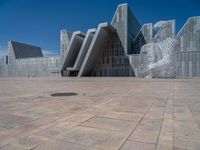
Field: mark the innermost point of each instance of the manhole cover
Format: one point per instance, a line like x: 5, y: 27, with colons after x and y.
x: 64, y: 94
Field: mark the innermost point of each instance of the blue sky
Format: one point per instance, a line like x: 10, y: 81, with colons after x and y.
x: 38, y: 22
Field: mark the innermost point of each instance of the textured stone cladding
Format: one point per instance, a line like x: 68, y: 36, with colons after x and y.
x: 28, y: 67
x: 188, y: 57
x: 65, y: 37
x: 43, y: 66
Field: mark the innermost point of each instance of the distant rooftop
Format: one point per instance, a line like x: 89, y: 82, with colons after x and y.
x: 22, y: 50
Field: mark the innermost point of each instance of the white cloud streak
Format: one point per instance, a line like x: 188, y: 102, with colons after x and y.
x: 49, y: 53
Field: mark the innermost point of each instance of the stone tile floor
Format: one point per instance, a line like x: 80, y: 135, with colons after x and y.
x: 99, y: 114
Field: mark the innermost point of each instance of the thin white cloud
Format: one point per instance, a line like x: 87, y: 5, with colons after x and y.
x: 49, y: 53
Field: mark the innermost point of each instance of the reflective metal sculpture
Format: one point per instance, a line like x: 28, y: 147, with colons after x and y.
x: 157, y: 59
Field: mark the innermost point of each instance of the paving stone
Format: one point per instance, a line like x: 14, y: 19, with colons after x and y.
x: 66, y: 125
x: 165, y: 145
x: 145, y: 137
x: 80, y: 118
x: 60, y: 145
x: 123, y: 116
x: 182, y: 143
x: 51, y: 132
x: 93, y: 137
x: 30, y: 141
x: 5, y: 141
x: 12, y: 147
x: 9, y: 121
x: 110, y: 124
x: 130, y: 145
x: 106, y: 113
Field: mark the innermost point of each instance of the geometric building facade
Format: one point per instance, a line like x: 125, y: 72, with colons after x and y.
x: 110, y: 50
x: 27, y: 61
x: 188, y: 58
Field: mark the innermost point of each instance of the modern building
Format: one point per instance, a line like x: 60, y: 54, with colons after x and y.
x: 111, y: 49
x: 28, y: 61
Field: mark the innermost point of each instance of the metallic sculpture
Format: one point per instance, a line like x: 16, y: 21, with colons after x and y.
x: 158, y: 59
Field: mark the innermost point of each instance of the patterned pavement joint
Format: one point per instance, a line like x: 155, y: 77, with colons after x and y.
x: 102, y: 114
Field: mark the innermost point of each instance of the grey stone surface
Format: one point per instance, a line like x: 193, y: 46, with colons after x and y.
x: 61, y: 145
x: 122, y: 113
x: 138, y: 146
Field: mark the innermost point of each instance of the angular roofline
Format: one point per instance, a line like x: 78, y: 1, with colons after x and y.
x: 141, y: 29
x: 11, y: 41
x: 183, y: 27
x: 117, y: 10
x: 19, y: 55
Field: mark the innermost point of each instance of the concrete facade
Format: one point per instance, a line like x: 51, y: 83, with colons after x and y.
x: 112, y: 49
x: 18, y: 64
x: 189, y: 49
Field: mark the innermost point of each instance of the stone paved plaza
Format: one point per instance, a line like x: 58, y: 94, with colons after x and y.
x: 99, y: 114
